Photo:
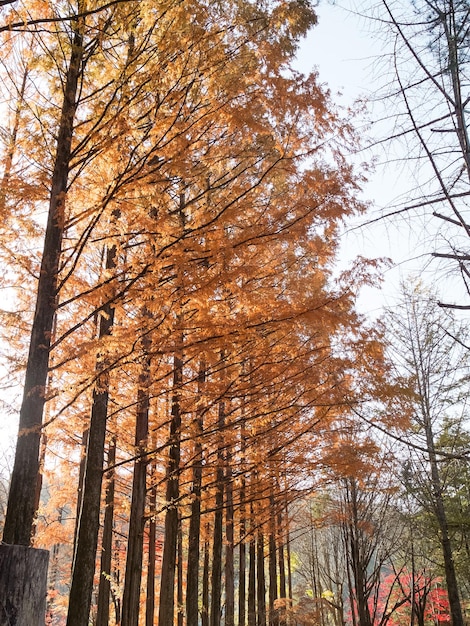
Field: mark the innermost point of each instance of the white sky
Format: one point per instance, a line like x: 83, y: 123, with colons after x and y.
x: 346, y: 49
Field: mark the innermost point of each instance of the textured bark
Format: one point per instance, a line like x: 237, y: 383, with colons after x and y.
x: 252, y: 581
x: 81, y: 480
x: 150, y: 596
x: 21, y: 503
x: 261, y: 580
x: 83, y: 567
x: 242, y: 576
x: 216, y: 578
x: 242, y: 531
x: 281, y: 559
x: 23, y: 580
x: 205, y: 582
x: 192, y: 578
x: 229, y: 553
x: 357, y: 563
x: 135, y: 540
x: 104, y: 587
x: 180, y: 570
x: 167, y: 584
x: 273, y: 615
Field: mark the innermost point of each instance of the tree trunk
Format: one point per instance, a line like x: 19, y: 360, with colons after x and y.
x: 23, y: 581
x: 192, y: 577
x: 273, y: 614
x: 104, y: 588
x: 289, y: 559
x: 281, y: 558
x: 135, y: 540
x: 216, y: 579
x: 81, y: 480
x: 261, y: 580
x: 83, y: 567
x: 229, y: 554
x: 180, y: 570
x: 252, y: 577
x: 441, y: 516
x: 167, y: 584
x: 151, y: 570
x: 205, y: 582
x: 11, y: 149
x: 242, y: 529
x: 242, y: 567
x: 21, y: 503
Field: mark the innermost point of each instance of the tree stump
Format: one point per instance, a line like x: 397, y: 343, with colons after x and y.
x: 23, y: 585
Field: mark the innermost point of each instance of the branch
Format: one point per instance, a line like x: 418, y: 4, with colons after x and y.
x: 459, y: 307
x: 54, y: 20
x: 448, y: 255
x: 447, y: 219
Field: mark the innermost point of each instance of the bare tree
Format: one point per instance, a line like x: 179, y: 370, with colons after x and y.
x: 435, y: 367
x: 427, y: 103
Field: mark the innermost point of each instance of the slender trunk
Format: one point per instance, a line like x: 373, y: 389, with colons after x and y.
x: 116, y: 596
x: 21, y: 503
x: 192, y: 577
x: 261, y: 580
x: 81, y: 479
x: 53, y: 572
x: 456, y: 73
x: 10, y: 153
x: 359, y: 570
x: 273, y: 614
x: 151, y: 569
x: 216, y: 579
x: 135, y: 541
x: 441, y: 516
x: 242, y: 527
x: 281, y: 559
x: 229, y: 554
x: 104, y: 588
x: 252, y: 574
x: 205, y: 582
x: 180, y: 569
x: 242, y: 560
x: 83, y: 567
x: 288, y: 554
x: 167, y: 584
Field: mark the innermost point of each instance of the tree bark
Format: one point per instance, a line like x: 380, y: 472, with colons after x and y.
x: 252, y: 576
x: 83, y: 567
x: 151, y: 569
x: 261, y: 580
x: 216, y: 578
x: 135, y: 540
x: 441, y: 516
x: 205, y: 581
x: 229, y: 553
x: 273, y: 614
x: 104, y: 587
x: 242, y: 562
x: 167, y: 584
x: 21, y: 503
x: 23, y: 580
x: 180, y: 570
x: 192, y: 578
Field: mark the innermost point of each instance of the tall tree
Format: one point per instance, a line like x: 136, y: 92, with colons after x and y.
x: 21, y: 504
x: 435, y: 367
x: 430, y: 89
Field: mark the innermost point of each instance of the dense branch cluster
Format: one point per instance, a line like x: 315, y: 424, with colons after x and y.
x: 189, y: 341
